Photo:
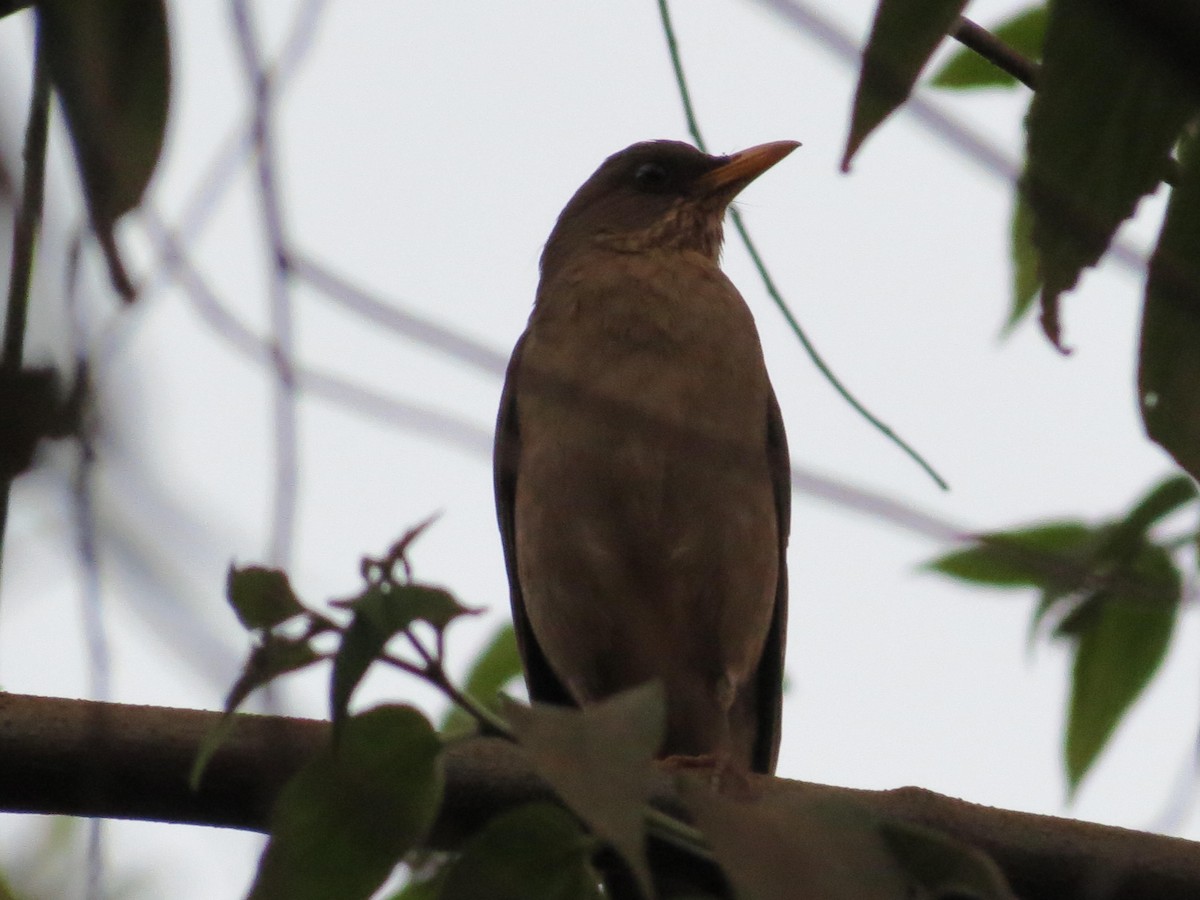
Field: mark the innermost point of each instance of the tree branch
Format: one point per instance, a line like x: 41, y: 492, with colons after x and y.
x: 83, y: 758
x: 976, y: 37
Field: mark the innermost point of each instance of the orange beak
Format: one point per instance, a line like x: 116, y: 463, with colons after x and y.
x: 740, y: 169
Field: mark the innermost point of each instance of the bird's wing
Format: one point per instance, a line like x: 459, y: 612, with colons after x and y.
x: 543, y: 684
x: 770, y: 669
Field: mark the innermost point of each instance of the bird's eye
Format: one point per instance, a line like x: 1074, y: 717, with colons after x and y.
x: 650, y: 176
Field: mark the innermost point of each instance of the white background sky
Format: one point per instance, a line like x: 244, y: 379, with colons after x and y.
x: 425, y: 150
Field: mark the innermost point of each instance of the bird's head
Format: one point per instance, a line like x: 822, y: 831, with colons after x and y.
x: 658, y: 195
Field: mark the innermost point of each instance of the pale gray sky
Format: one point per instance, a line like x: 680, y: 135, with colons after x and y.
x: 424, y: 150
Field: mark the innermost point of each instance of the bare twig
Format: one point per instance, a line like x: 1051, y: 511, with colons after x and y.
x: 26, y: 224
x: 772, y: 290
x: 417, y: 418
x: 401, y: 321
x: 91, y: 597
x: 999, y: 54
x: 282, y: 347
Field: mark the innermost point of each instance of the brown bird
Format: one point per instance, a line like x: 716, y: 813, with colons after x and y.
x: 641, y: 467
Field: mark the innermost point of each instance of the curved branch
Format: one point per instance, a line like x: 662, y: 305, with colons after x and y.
x: 83, y: 758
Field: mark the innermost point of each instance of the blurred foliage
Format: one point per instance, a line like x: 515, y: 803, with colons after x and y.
x: 495, y: 668
x: 1112, y: 591
x: 110, y: 62
x: 903, y: 37
x: 1169, y: 367
x: 1099, y: 139
x: 363, y: 805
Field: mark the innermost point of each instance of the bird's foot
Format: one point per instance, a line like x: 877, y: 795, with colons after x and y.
x: 724, y: 776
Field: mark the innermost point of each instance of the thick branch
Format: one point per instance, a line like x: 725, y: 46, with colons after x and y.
x: 77, y: 757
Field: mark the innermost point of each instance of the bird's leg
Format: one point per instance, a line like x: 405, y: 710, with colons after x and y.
x: 727, y: 773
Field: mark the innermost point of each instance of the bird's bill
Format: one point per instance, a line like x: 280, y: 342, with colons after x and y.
x: 739, y: 169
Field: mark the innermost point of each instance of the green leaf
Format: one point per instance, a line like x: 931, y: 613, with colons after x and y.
x: 349, y: 816
x: 216, y: 736
x: 110, y: 63
x: 1116, y: 656
x: 1099, y: 139
x: 967, y: 70
x: 944, y: 867
x: 1023, y: 255
x: 276, y: 655
x: 1163, y: 499
x: 903, y: 37
x: 534, y: 852
x: 380, y: 613
x: 497, y: 665
x: 1169, y: 358
x: 261, y: 597
x: 598, y: 759
x: 1040, y: 556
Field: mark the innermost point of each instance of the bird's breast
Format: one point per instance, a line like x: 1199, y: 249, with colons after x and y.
x: 644, y: 390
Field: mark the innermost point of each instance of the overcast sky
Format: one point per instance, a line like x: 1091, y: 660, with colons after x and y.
x: 424, y: 151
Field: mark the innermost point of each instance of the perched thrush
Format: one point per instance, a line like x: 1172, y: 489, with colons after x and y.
x: 641, y: 465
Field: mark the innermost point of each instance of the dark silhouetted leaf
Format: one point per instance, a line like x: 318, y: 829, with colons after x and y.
x: 32, y: 407
x: 534, y: 852
x: 943, y: 866
x: 1023, y: 255
x: 598, y: 759
x: 967, y: 70
x: 380, y: 613
x: 110, y: 63
x: 782, y: 842
x: 497, y: 665
x: 7, y: 8
x: 349, y: 816
x: 1099, y: 139
x: 261, y: 597
x: 903, y: 37
x: 1116, y: 656
x: 1169, y: 360
x: 276, y: 655
x: 1033, y: 557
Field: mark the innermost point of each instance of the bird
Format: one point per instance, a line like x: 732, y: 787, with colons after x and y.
x: 641, y: 467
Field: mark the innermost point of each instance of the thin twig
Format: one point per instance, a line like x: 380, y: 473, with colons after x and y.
x: 389, y: 315
x: 26, y: 224
x: 426, y: 656
x: 999, y: 54
x: 773, y: 292
x: 283, y: 512
x: 403, y: 665
x: 91, y: 598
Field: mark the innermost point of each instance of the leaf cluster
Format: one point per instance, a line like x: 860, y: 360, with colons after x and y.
x: 366, y: 802
x: 1113, y: 118
x: 1111, y: 591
